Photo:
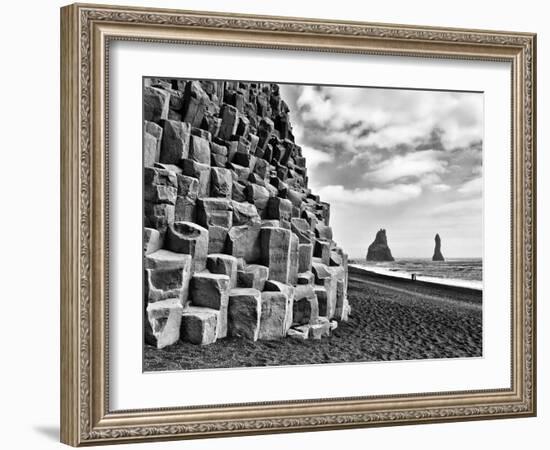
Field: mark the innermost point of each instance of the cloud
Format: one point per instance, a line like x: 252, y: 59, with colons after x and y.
x: 440, y: 187
x: 373, y: 197
x: 394, y: 134
x: 429, y: 179
x: 389, y: 117
x: 315, y: 157
x: 406, y: 160
x: 477, y: 170
x: 414, y: 164
x: 314, y: 105
x: 461, y: 208
x: 474, y: 186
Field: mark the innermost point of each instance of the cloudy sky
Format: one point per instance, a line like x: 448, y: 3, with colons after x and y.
x: 405, y: 160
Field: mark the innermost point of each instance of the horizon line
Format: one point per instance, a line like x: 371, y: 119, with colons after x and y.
x: 422, y: 257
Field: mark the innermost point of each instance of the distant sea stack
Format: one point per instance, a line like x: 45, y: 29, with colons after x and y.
x: 437, y: 250
x: 379, y: 250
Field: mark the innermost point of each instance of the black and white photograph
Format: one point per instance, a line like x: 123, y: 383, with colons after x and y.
x: 293, y: 224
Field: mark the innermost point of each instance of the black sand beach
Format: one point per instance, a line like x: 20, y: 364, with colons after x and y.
x: 391, y: 319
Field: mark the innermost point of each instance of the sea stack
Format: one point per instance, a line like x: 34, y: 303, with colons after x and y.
x: 379, y: 250
x: 437, y: 250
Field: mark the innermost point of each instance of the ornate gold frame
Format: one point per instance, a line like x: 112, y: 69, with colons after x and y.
x: 86, y: 31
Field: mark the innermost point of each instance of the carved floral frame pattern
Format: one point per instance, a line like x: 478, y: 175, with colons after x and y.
x: 85, y: 416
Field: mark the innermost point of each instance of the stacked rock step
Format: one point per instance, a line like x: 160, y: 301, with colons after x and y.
x: 236, y: 246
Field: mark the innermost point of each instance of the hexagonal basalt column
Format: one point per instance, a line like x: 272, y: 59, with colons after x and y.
x: 191, y: 239
x: 199, y: 325
x: 212, y: 291
x: 244, y: 313
x: 273, y: 323
x: 162, y: 322
x: 275, y: 252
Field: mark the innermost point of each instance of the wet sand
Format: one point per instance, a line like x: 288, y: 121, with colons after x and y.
x: 391, y: 320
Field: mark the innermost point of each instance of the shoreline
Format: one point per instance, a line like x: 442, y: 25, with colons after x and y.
x: 421, y: 280
x: 391, y: 320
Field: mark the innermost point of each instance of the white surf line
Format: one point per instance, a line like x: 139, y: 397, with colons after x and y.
x: 418, y: 294
x: 453, y: 282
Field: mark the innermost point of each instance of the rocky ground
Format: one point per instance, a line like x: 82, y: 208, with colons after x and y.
x: 390, y: 320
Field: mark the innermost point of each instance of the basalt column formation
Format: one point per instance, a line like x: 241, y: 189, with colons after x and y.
x: 235, y: 244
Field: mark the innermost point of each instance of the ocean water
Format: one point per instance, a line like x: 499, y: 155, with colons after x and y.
x: 467, y: 272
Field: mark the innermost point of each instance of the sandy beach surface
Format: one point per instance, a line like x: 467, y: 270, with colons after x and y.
x: 390, y: 320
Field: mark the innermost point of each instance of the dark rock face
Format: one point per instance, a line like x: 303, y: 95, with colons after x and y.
x: 438, y: 256
x: 231, y: 225
x: 379, y: 250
